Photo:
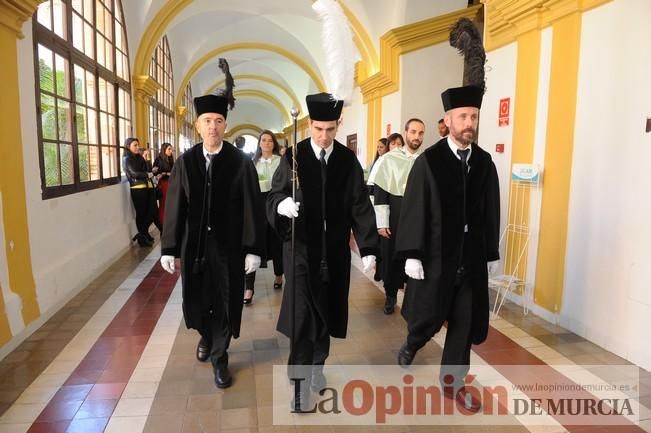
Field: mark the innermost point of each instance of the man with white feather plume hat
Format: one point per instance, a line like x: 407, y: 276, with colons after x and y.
x: 331, y: 199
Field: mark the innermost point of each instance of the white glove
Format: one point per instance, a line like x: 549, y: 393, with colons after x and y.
x: 414, y: 269
x: 288, y: 208
x: 251, y: 263
x: 167, y: 262
x: 492, y: 267
x: 368, y: 263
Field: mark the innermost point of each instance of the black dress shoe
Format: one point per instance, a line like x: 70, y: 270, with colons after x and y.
x: 278, y: 286
x: 390, y: 304
x: 223, y: 378
x: 203, y: 350
x: 142, y: 240
x: 406, y: 356
x: 149, y: 237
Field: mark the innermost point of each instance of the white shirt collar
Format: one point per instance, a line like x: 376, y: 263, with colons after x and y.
x: 317, y: 150
x: 206, y: 153
x: 408, y: 154
x: 454, y: 148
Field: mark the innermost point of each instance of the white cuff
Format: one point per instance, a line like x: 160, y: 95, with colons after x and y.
x: 382, y: 215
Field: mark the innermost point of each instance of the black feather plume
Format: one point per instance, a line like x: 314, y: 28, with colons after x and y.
x: 465, y: 37
x: 228, y: 91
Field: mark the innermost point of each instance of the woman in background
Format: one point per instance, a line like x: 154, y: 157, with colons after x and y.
x: 162, y: 169
x: 142, y: 190
x: 382, y: 148
x: 266, y: 160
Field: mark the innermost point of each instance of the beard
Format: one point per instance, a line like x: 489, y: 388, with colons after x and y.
x: 414, y: 144
x: 465, y: 137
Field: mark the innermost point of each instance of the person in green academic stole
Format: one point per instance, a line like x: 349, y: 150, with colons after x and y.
x: 389, y: 177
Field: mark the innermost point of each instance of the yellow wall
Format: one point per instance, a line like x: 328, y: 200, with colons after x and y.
x: 521, y: 21
x: 550, y: 273
x: 12, y: 180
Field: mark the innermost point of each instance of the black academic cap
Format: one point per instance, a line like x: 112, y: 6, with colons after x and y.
x: 465, y: 96
x: 324, y: 107
x: 211, y: 104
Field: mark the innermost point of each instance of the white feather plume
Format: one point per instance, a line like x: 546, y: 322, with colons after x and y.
x: 340, y: 51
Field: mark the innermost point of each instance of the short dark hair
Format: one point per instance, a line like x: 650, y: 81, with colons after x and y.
x: 441, y: 121
x: 413, y: 119
x: 240, y: 142
x: 383, y: 141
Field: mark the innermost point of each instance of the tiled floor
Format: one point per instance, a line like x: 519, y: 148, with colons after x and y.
x: 118, y: 358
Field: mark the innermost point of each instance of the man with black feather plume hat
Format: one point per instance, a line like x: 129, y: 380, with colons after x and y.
x: 214, y: 223
x: 449, y: 229
x: 331, y: 199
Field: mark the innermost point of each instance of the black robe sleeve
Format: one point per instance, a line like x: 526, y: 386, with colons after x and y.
x: 492, y: 215
x: 176, y: 207
x: 281, y: 188
x: 418, y: 212
x: 380, y: 196
x: 364, y: 227
x: 253, y: 229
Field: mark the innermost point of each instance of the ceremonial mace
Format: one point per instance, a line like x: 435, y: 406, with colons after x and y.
x: 294, y: 112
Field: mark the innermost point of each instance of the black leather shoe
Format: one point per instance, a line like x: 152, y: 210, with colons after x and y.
x: 390, y: 304
x: 406, y: 356
x: 143, y: 241
x: 203, y: 351
x: 278, y: 286
x: 223, y: 378
x: 319, y: 381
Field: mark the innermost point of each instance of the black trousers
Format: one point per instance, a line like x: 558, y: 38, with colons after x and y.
x: 307, y: 356
x: 214, y: 326
x: 455, y: 361
x: 217, y: 334
x: 144, y: 202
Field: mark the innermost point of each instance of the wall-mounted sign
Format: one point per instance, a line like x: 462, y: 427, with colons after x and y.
x: 505, y: 109
x: 351, y: 142
x: 499, y: 148
x: 525, y: 173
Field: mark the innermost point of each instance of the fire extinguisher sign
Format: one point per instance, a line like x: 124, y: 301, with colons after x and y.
x: 505, y: 110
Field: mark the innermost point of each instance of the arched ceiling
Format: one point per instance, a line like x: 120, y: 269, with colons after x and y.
x: 277, y: 41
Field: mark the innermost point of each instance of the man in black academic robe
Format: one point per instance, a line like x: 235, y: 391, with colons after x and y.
x: 214, y: 222
x: 323, y: 257
x: 389, y: 177
x: 449, y: 230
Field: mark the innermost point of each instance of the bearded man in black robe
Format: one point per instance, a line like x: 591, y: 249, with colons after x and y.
x: 449, y: 230
x: 214, y: 222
